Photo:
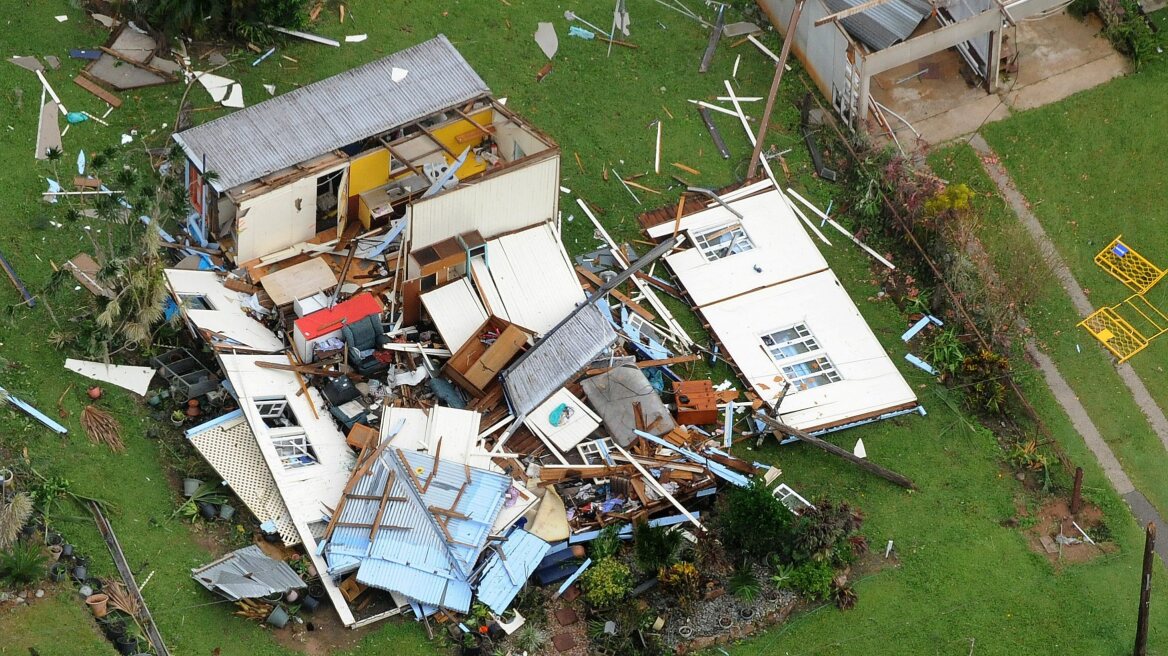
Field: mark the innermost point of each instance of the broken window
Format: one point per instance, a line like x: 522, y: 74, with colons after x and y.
x: 195, y: 302
x: 789, y: 349
x: 294, y: 449
x: 289, y: 439
x: 594, y: 452
x: 275, y: 412
x: 791, y: 499
x: 723, y: 241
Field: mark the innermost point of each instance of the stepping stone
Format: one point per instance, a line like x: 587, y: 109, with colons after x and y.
x: 567, y: 617
x: 564, y: 642
x: 572, y: 593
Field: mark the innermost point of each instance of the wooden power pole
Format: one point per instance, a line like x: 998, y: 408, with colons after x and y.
x: 780, y: 66
x: 1145, y: 592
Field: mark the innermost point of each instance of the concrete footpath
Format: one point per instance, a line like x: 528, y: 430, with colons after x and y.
x: 1140, y: 506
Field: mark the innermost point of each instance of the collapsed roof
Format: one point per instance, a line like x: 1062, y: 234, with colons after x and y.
x: 332, y: 113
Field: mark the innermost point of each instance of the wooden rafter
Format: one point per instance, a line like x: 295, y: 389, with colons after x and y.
x: 476, y: 124
x: 430, y: 134
x: 381, y: 506
x: 434, y: 469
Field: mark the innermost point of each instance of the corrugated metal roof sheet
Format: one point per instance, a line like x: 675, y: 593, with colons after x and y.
x: 883, y: 25
x: 554, y: 360
x: 503, y: 579
x: 410, y: 554
x: 247, y: 573
x: 332, y: 113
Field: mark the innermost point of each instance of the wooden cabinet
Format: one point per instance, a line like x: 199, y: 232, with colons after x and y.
x: 697, y: 403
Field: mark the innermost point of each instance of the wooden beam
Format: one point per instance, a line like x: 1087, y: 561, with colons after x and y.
x: 780, y: 66
x: 850, y: 11
x: 781, y: 429
x: 434, y: 469
x: 680, y: 359
x: 441, y: 145
x: 454, y: 514
x: 144, y: 618
x: 299, y: 368
x: 98, y: 90
x: 381, y: 506
x: 476, y: 124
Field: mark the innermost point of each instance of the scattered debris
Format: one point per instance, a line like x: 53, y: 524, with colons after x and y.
x: 308, y: 37
x: 224, y: 91
x: 356, y: 38
x: 5, y: 395
x: 102, y: 428
x: 29, y: 300
x: 546, y: 39
x: 135, y: 379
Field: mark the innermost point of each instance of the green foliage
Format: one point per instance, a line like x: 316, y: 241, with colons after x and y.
x: 606, y: 582
x: 607, y: 544
x: 1127, y: 29
x: 953, y: 199
x: 681, y: 580
x: 22, y: 565
x: 208, y: 492
x: 944, y: 352
x: 744, y: 584
x: 753, y: 523
x: 13, y: 516
x: 244, y: 19
x: 822, y: 528
x: 530, y: 638
x: 654, y: 547
x: 813, y: 579
x: 982, y: 376
x: 47, y: 494
x: 782, y: 576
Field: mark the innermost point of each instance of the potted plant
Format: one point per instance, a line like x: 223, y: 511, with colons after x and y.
x: 178, y: 417
x: 472, y: 644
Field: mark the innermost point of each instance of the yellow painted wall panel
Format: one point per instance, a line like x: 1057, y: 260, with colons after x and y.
x: 368, y: 171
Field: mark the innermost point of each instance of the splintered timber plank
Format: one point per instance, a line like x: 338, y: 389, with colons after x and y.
x: 714, y: 134
x: 97, y: 90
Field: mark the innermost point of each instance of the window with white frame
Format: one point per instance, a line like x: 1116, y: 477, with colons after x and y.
x: 722, y: 241
x: 790, y: 342
x: 800, y: 357
x: 275, y: 411
x: 285, y: 433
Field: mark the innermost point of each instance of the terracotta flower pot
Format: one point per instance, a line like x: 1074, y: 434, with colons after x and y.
x: 94, y: 392
x: 98, y: 604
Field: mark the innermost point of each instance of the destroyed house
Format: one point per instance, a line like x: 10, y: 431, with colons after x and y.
x: 779, y: 313
x: 395, y: 144
x: 861, y: 53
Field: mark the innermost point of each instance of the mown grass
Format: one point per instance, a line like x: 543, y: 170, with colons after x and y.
x: 962, y: 574
x: 1052, y: 319
x: 1088, y: 167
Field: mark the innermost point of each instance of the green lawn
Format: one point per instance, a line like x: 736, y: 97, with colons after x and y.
x: 1051, y: 316
x: 1090, y: 166
x: 55, y: 625
x: 962, y: 574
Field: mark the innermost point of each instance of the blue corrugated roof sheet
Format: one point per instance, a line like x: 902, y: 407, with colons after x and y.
x: 502, y: 578
x: 418, y: 551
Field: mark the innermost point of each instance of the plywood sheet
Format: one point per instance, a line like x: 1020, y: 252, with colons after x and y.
x: 299, y: 281
x: 456, y: 311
